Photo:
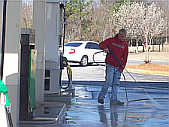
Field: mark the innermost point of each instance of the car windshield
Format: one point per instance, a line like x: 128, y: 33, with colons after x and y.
x: 75, y: 44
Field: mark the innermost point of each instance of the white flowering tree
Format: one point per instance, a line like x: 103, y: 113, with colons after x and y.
x: 131, y: 17
x: 155, y: 24
x: 142, y: 20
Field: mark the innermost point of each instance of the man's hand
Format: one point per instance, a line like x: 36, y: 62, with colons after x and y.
x: 106, y: 50
x: 120, y: 70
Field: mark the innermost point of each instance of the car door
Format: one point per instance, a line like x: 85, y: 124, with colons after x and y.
x: 99, y: 55
x: 92, y: 48
x: 73, y: 51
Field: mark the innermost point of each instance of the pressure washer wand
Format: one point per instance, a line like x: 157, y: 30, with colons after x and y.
x: 116, y: 59
x: 156, y: 104
x: 123, y: 66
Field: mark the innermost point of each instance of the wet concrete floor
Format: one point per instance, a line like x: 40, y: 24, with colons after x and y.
x: 140, y: 111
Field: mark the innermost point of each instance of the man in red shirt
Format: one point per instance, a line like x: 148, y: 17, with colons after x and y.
x: 119, y: 48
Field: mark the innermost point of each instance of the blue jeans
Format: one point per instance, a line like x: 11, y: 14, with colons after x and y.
x: 112, y: 79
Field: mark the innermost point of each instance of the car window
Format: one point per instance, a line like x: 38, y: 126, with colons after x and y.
x: 95, y: 46
x: 91, y: 45
x: 73, y: 44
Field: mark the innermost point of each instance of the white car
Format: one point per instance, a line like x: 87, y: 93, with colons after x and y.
x: 84, y: 52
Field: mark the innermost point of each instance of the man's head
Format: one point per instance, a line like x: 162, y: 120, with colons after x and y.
x: 122, y: 34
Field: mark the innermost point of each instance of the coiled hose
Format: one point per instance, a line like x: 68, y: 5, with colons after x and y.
x: 63, y: 63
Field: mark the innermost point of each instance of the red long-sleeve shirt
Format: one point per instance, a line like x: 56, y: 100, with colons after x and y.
x: 119, y: 49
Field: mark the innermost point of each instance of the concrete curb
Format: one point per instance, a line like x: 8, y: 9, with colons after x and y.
x: 41, y: 120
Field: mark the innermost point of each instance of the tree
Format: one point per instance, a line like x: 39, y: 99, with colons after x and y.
x: 164, y: 5
x: 104, y: 20
x: 27, y: 14
x: 131, y: 17
x: 155, y: 24
x: 98, y: 22
x: 76, y: 24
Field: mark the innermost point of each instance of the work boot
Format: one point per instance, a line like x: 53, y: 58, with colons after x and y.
x: 117, y: 103
x: 101, y: 101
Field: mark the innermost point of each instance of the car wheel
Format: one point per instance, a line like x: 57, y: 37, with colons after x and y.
x: 84, y: 61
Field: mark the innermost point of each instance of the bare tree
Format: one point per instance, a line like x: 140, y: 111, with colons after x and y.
x: 104, y: 23
x: 27, y: 14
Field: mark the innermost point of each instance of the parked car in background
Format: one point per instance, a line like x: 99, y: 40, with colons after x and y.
x: 82, y: 52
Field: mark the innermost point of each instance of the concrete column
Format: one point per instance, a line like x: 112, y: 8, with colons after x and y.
x: 11, y: 75
x: 39, y: 25
x: 3, y: 119
x: 1, y: 8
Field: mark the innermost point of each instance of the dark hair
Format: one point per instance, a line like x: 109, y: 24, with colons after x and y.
x: 124, y: 31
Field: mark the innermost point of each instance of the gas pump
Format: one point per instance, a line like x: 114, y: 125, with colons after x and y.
x: 27, y: 74
x: 4, y: 90
x: 54, y: 60
x: 63, y: 64
x: 66, y: 87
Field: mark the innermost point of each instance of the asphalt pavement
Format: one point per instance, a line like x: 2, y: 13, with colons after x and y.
x: 147, y: 104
